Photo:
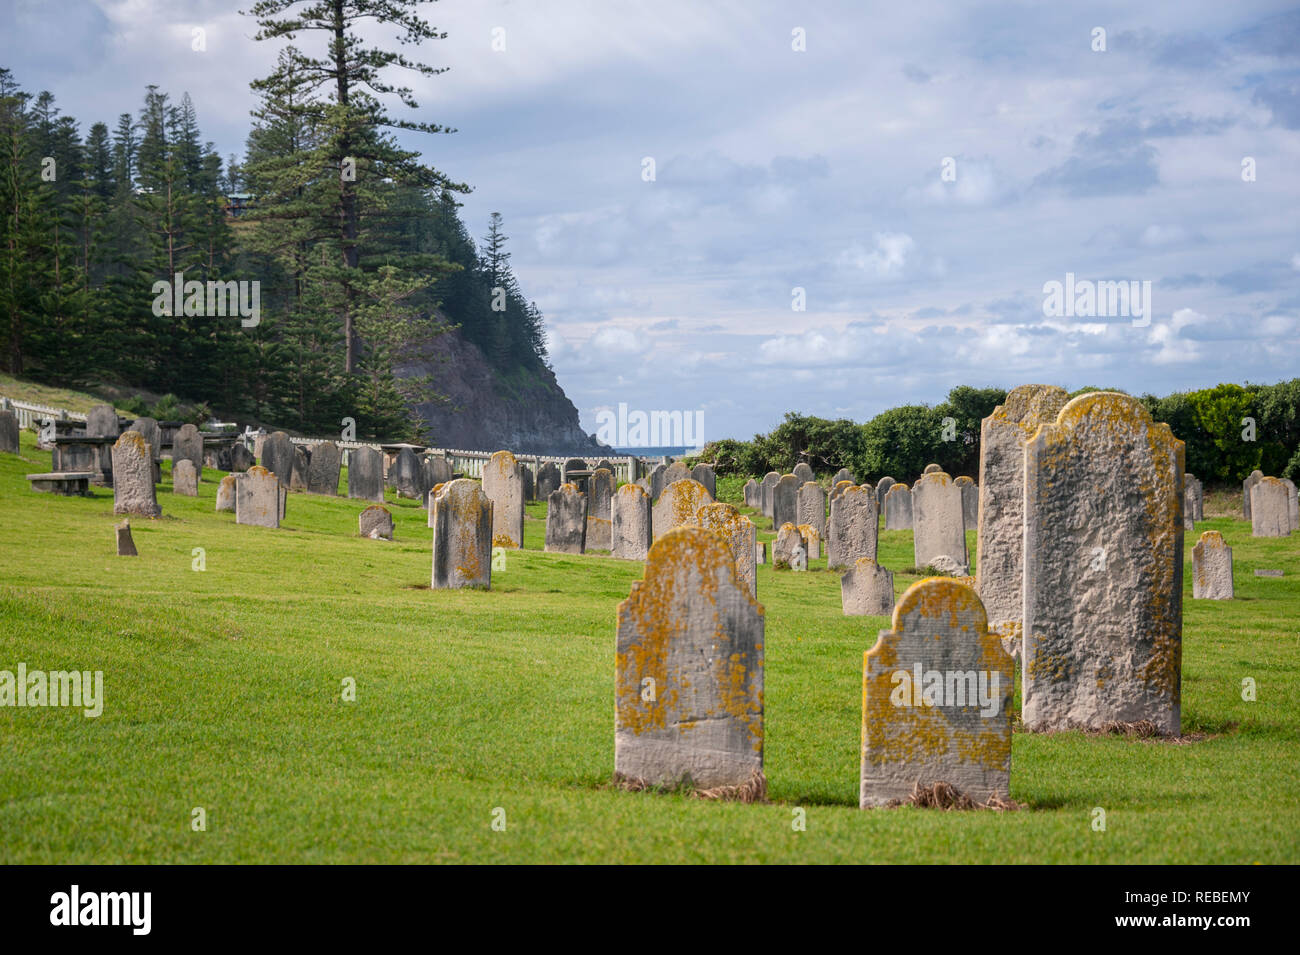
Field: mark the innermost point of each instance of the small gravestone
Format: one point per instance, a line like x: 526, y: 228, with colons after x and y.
x: 376, y: 523
x: 323, y: 471
x: 938, y: 525
x: 854, y: 527
x: 1212, y: 568
x: 751, y: 492
x: 1292, y: 503
x: 503, y: 483
x: 769, y: 482
x: 133, y: 487
x: 277, y: 456
x: 789, y: 552
x: 1246, y: 487
x: 630, y: 523
x: 566, y: 520
x: 184, y: 479
x: 1193, y: 486
x: 8, y: 432
x: 932, y: 469
x: 703, y: 474
x: 678, y: 506
x: 187, y: 445
x: 1270, y: 512
x: 936, y: 698
x: 125, y: 545
x: 1189, y: 509
x: 882, y: 488
x: 406, y: 475
x: 867, y: 590
x: 812, y: 541
x: 258, y: 498
x: 804, y: 473
x: 301, y: 465
x: 226, y: 493
x: 462, y: 536
x: 689, y: 672
x: 600, y: 517
x: 760, y: 553
x: 947, y: 566
x: 241, y: 459
x: 677, y: 471
x: 739, y: 533
x: 548, y: 479
x: 656, y: 480
x: 785, y: 501
x: 1268, y: 573
x: 1103, y: 568
x: 898, y: 508
x: 366, y: 474
x: 843, y: 474
x: 810, y: 507
x: 970, y: 502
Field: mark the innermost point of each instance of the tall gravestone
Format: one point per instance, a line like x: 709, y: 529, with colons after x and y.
x: 1292, y: 503
x: 187, y: 445
x: 529, y: 480
x: 770, y: 480
x: 678, y: 506
x: 133, y: 487
x: 259, y: 500
x: 1103, y: 568
x: 898, y: 508
x: 1000, y: 568
x: 8, y: 432
x: 656, y: 479
x: 882, y: 488
x: 810, y: 507
x: 785, y: 501
x: 184, y: 479
x: 1246, y: 487
x: 1212, y: 568
x: 548, y: 479
x: 867, y: 590
x: 600, y: 517
x: 630, y: 526
x: 323, y: 471
x: 277, y: 456
x: 703, y: 474
x: 1270, y: 511
x: 970, y: 502
x: 406, y: 475
x: 938, y: 525
x: 740, y: 535
x: 566, y: 520
x: 1196, y: 490
x: 366, y: 474
x: 751, y: 492
x: 462, y: 536
x: 503, y: 483
x: 149, y: 430
x: 936, y: 698
x: 101, y: 422
x: 843, y: 474
x: 226, y: 493
x: 301, y: 465
x: 854, y: 527
x: 804, y: 473
x: 689, y: 672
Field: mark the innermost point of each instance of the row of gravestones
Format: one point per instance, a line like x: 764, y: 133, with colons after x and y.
x: 1270, y: 504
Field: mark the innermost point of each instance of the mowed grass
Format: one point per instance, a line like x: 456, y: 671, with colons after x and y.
x: 223, y: 691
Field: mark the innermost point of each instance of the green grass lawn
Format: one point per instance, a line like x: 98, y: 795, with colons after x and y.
x: 223, y: 691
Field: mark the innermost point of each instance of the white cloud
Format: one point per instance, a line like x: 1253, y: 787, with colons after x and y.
x: 886, y: 259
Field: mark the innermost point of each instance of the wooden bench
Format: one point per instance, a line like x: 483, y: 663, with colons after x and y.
x: 67, y: 483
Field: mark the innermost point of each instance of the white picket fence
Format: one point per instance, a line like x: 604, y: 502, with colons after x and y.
x: 30, y: 415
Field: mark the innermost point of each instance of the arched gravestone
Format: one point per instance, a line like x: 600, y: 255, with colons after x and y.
x: 323, y: 470
x: 571, y: 465
x: 548, y: 479
x: 133, y: 487
x: 566, y: 520
x: 898, y: 508
x: 406, y: 475
x: 804, y: 473
x: 703, y: 474
x: 932, y: 469
x: 740, y: 536
x: 689, y: 672
x: 462, y: 536
x: 185, y: 480
x: 188, y: 445
x: 258, y: 498
x: 678, y: 506
x: 1000, y: 571
x: 366, y: 474
x: 434, y: 470
x: 867, y: 590
x: 1270, y: 509
x: 938, y: 525
x: 843, y: 474
x: 1212, y: 568
x: 936, y: 697
x: 1195, y: 490
x: 752, y: 493
x: 854, y: 527
x: 769, y: 483
x: 1246, y: 487
x: 785, y: 501
x: 656, y: 479
x: 600, y: 495
x: 1103, y: 568
x: 810, y: 507
x: 149, y: 430
x: 301, y: 465
x: 503, y: 483
x: 882, y: 488
x: 842, y: 486
x: 277, y: 456
x: 630, y: 523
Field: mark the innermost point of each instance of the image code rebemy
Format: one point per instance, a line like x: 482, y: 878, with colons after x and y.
x: 888, y: 415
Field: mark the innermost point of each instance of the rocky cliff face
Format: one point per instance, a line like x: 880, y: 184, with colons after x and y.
x: 526, y: 413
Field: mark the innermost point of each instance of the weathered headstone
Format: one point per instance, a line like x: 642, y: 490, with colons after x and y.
x: 677, y: 471
x: 1212, y: 568
x: 258, y: 498
x: 785, y: 501
x: 970, y: 502
x: 867, y: 589
x: 882, y: 488
x: 843, y: 474
x: 125, y: 544
x: 938, y: 526
x: 184, y: 479
x: 406, y: 475
x: 323, y: 470
x: 1246, y: 487
x: 187, y: 445
x: 769, y: 482
x: 678, y: 505
x: 751, y: 492
x: 1000, y: 570
x: 898, y: 508
x: 434, y: 470
x: 1189, y: 509
x: 548, y: 479
x: 703, y: 473
x: 1270, y: 512
x: 526, y: 472
x: 810, y: 507
x: 376, y: 523
x: 1197, y: 490
x: 932, y: 469
x: 133, y: 487
x: 936, y: 697
x: 101, y: 422
x: 1103, y: 568
x: 277, y: 456
x: 630, y: 523
x: 503, y: 483
x: 760, y: 552
x: 226, y: 493
x: 366, y: 474
x: 462, y: 536
x: 689, y: 672
x: 739, y: 533
x: 854, y: 527
x: 656, y: 479
x: 241, y: 459
x: 1292, y: 503
x: 600, y: 517
x: 301, y: 465
x: 566, y: 520
x: 8, y: 432
x: 842, y: 486
x: 804, y: 473
x: 789, y: 551
x: 812, y: 540
x: 149, y: 430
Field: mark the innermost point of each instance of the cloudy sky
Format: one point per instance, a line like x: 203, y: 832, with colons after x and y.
x: 820, y: 169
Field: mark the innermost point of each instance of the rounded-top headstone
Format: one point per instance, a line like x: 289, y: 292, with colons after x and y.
x: 366, y: 474
x: 323, y: 469
x: 678, y: 506
x: 277, y: 456
x: 703, y: 473
x: 931, y: 469
x: 462, y: 536
x: 133, y: 487
x: 1212, y: 568
x: 630, y: 527
x: 882, y: 488
x: 376, y: 523
x: 503, y: 483
x: 187, y: 444
x: 804, y: 472
x: 148, y: 427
